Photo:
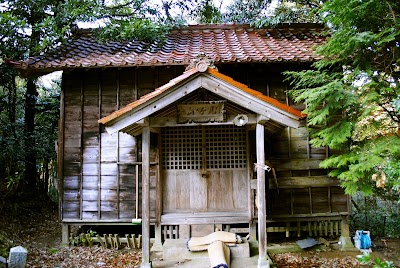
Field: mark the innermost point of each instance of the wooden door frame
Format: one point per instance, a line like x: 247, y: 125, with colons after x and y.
x: 244, y: 166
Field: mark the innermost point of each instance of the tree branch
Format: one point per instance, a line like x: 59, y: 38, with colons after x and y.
x: 119, y: 6
x: 392, y: 114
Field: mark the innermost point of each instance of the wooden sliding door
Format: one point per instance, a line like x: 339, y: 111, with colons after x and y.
x: 205, y: 169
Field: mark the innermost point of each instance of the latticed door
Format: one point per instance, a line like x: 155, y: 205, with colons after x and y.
x: 204, y: 169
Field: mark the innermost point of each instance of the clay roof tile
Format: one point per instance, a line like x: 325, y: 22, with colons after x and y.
x: 220, y: 42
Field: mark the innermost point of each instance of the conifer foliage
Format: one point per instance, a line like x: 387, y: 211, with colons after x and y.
x: 352, y: 94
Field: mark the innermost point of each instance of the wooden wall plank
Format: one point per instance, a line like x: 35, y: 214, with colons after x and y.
x: 295, y: 164
x: 127, y: 154
x: 71, y: 209
x: 301, y: 201
x: 280, y: 202
x: 220, y: 190
x: 304, y: 182
x: 101, y: 97
x: 338, y: 200
x: 182, y: 190
x: 91, y: 154
x: 90, y: 169
x: 90, y: 182
x: 90, y: 206
x: 169, y: 188
x: 71, y: 183
x: 320, y: 200
x: 240, y: 184
x: 90, y: 194
x: 198, y: 188
x: 109, y: 169
x: 72, y: 168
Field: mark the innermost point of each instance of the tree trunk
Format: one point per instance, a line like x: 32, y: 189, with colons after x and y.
x: 12, y: 97
x: 30, y: 151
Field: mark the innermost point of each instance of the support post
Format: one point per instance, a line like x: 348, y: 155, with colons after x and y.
x: 263, y: 261
x: 146, y: 198
x: 65, y: 232
x: 251, y: 191
x: 345, y: 240
x: 253, y: 232
x: 157, y: 246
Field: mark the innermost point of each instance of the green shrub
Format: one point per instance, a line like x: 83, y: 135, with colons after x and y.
x: 377, y: 263
x: 378, y: 214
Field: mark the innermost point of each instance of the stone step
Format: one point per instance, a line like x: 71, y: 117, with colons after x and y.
x: 174, y: 249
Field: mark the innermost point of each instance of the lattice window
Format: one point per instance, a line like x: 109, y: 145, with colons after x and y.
x: 182, y: 148
x: 225, y: 147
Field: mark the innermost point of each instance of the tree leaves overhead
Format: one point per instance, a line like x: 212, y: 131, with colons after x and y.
x: 296, y: 11
x: 352, y: 94
x: 246, y: 11
x: 50, y: 22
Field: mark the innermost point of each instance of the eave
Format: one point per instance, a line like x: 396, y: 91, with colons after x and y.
x: 133, y: 116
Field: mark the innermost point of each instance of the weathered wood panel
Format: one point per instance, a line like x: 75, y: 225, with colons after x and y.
x: 91, y: 155
x: 301, y: 201
x: 90, y: 182
x: 72, y: 168
x: 182, y: 191
x: 187, y: 190
x: 198, y: 188
x: 220, y: 190
x: 303, y: 182
x: 320, y: 200
x: 339, y: 200
x: 70, y: 209
x: 71, y: 183
x: 280, y: 203
x: 297, y: 168
x: 91, y: 159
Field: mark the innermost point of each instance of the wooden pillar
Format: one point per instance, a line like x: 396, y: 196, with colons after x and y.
x: 251, y: 192
x: 263, y: 261
x: 65, y: 232
x: 345, y: 232
x: 345, y: 239
x: 157, y: 246
x: 146, y: 198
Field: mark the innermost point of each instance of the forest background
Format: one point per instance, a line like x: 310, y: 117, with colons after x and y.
x: 352, y: 94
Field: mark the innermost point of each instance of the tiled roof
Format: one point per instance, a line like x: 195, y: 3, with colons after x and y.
x: 189, y: 73
x: 219, y: 42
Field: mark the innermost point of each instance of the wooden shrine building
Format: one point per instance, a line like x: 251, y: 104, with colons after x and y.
x: 202, y: 127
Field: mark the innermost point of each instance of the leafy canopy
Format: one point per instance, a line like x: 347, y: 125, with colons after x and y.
x: 352, y: 95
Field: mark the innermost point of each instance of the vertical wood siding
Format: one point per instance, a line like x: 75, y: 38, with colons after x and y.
x: 98, y: 180
x: 99, y: 169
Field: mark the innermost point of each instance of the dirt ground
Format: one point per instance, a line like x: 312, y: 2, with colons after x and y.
x: 321, y: 256
x: 32, y: 222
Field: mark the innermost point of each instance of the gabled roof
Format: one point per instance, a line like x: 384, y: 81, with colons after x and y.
x: 222, y: 43
x: 192, y: 80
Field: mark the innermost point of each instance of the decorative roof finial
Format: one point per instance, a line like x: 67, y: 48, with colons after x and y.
x: 201, y: 63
